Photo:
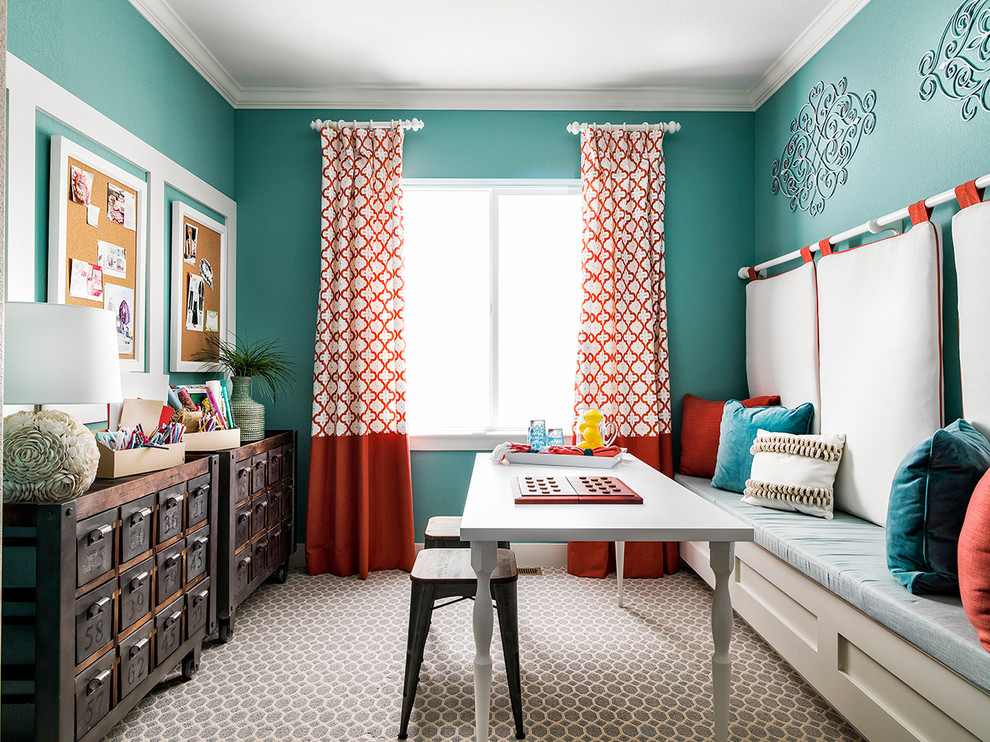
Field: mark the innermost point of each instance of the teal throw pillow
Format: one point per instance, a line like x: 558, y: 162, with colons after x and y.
x: 928, y: 499
x: 738, y: 431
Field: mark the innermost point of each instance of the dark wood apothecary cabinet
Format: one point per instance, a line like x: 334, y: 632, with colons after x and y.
x: 255, y: 520
x: 103, y: 596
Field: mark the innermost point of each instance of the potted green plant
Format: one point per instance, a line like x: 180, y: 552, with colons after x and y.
x: 245, y: 360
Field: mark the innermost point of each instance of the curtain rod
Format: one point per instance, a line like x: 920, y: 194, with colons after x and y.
x: 414, y: 124
x: 875, y: 226
x: 669, y: 127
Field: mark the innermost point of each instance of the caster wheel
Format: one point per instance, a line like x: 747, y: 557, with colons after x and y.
x: 225, y: 631
x: 189, y: 668
x: 282, y: 574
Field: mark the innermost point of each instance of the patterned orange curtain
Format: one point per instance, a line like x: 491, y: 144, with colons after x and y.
x: 359, y: 512
x: 622, y: 354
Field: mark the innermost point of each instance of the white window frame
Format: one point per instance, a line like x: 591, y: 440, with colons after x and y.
x: 489, y: 438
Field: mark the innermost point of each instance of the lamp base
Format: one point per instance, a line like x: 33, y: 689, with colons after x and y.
x: 48, y: 456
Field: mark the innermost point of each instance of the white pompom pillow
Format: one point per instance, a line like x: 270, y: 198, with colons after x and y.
x: 794, y: 472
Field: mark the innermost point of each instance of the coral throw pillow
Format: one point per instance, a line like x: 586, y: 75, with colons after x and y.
x: 974, y: 561
x: 700, y: 422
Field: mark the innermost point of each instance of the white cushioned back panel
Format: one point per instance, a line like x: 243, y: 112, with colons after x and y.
x: 881, y: 359
x: 782, y: 338
x: 971, y: 242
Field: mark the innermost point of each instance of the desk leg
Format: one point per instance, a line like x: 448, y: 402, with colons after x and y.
x: 620, y: 562
x: 483, y: 560
x: 720, y: 559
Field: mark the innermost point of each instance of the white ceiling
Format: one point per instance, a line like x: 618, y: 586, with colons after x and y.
x: 513, y: 54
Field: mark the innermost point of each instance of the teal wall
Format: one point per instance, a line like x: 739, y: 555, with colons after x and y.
x: 708, y: 221
x: 107, y: 54
x: 917, y: 150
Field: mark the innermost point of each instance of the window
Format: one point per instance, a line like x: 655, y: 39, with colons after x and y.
x: 492, y: 303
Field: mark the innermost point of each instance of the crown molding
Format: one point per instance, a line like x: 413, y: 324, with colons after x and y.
x: 828, y: 23
x: 608, y: 99
x: 161, y: 16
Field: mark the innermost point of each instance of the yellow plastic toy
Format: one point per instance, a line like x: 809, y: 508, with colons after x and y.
x: 589, y: 430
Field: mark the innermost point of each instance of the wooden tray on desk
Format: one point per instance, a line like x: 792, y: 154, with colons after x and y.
x: 574, y: 490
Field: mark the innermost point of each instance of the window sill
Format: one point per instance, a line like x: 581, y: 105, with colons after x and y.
x: 463, y: 441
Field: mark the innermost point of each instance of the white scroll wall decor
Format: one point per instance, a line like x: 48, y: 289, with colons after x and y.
x: 971, y: 242
x: 880, y: 346
x: 782, y: 338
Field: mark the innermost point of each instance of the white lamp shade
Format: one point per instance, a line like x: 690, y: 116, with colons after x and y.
x: 59, y: 354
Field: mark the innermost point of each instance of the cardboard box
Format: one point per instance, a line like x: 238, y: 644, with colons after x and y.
x: 213, y: 440
x: 114, y: 464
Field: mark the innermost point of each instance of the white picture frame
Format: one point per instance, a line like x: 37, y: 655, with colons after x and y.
x: 62, y: 149
x: 180, y: 212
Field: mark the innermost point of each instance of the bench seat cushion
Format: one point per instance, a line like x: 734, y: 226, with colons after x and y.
x: 847, y: 555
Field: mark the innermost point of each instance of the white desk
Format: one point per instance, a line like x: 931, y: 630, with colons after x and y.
x: 669, y: 513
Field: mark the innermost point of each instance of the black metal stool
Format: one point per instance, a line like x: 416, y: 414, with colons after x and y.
x: 447, y: 573
x: 444, y: 532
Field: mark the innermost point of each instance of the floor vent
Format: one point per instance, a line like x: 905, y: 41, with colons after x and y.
x: 537, y: 571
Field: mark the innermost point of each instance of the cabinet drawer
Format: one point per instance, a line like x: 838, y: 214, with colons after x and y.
x: 288, y: 499
x: 135, y: 527
x: 242, y: 571
x: 259, y: 478
x: 242, y: 480
x: 198, y: 500
x: 168, y: 631
x: 259, y: 557
x: 242, y: 525
x: 274, y: 465
x: 134, y: 654
x: 94, y: 547
x: 274, y: 506
x: 94, y: 620
x: 94, y: 694
x: 169, y: 571
x: 135, y: 593
x: 197, y: 552
x: 274, y: 547
x: 197, y: 605
x: 259, y: 507
x: 170, y: 512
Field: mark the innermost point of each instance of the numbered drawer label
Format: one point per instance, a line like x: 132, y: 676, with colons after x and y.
x: 170, y: 512
x: 135, y: 527
x: 242, y: 475
x: 169, y: 570
x: 135, y: 594
x: 197, y: 605
x: 242, y: 525
x: 94, y: 621
x: 242, y: 570
x: 197, y: 552
x: 168, y: 631
x: 134, y: 653
x: 94, y: 547
x: 94, y: 694
x: 259, y: 507
x: 198, y: 500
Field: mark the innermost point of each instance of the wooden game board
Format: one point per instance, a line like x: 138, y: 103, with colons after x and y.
x: 575, y: 490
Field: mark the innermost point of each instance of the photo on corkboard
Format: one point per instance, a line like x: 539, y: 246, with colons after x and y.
x: 95, y: 260
x: 199, y: 286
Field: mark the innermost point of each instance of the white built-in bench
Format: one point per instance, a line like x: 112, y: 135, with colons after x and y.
x: 897, y: 666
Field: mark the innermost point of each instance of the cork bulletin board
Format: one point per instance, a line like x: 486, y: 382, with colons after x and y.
x: 97, y: 228
x: 199, y: 287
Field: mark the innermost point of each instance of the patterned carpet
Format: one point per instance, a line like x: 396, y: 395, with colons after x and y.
x: 321, y: 658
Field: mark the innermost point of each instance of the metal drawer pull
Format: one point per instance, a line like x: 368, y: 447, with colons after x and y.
x: 138, y: 580
x: 198, y: 599
x: 171, y: 620
x: 97, y: 608
x: 171, y: 561
x: 243, y: 472
x: 203, y: 489
x: 98, y: 682
x: 99, y: 534
x: 137, y: 648
x: 139, y: 515
x: 259, y: 464
x: 243, y: 517
x: 173, y: 501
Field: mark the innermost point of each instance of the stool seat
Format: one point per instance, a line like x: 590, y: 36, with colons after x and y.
x: 439, y: 574
x: 444, y: 532
x: 453, y: 567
